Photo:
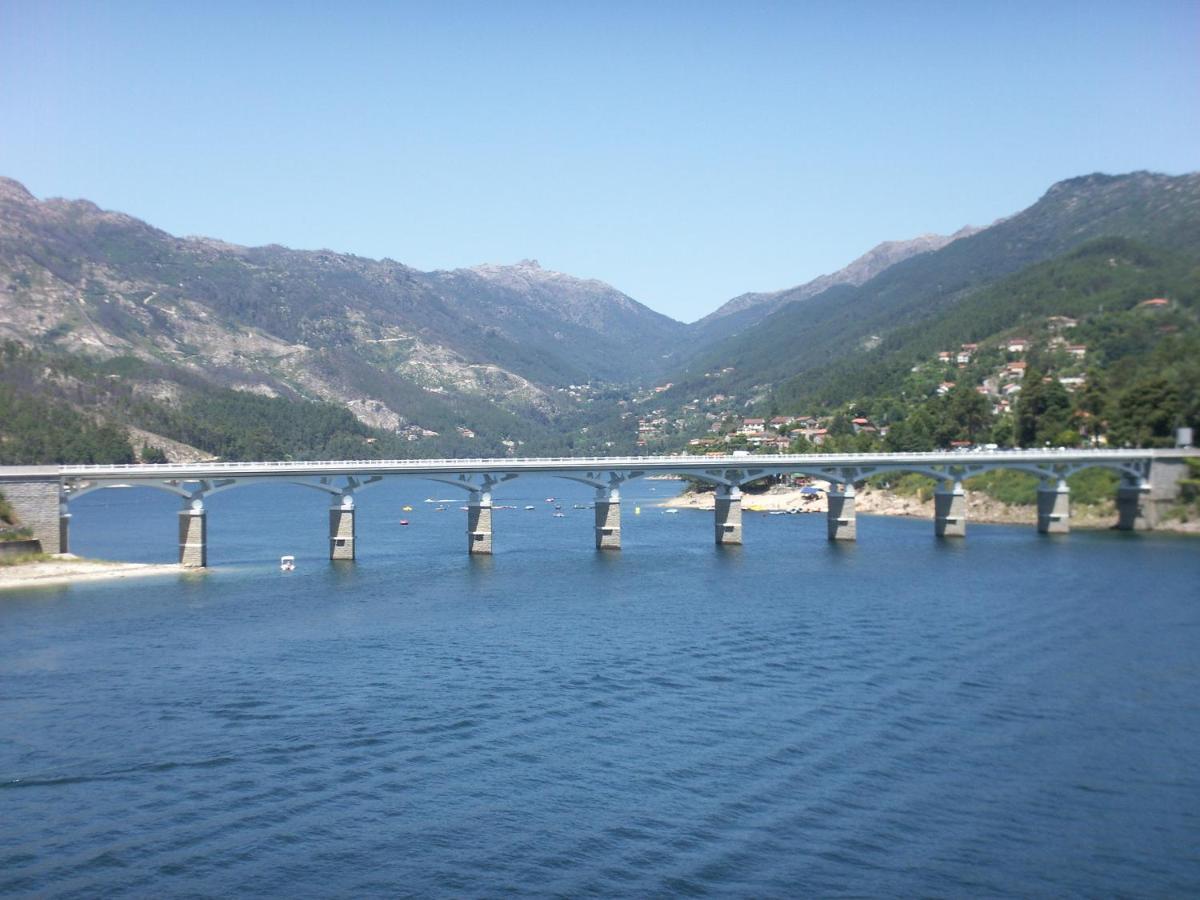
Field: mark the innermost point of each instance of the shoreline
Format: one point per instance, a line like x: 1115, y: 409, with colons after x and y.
x: 69, y: 569
x: 981, y: 509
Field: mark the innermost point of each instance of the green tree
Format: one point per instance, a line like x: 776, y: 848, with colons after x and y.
x: 1092, y: 404
x: 913, y: 434
x: 1043, y: 410
x: 841, y: 426
x: 1147, y: 413
x: 153, y: 454
x: 966, y: 415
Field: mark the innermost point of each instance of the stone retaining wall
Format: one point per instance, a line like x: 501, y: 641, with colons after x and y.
x: 10, y: 549
x: 35, y: 499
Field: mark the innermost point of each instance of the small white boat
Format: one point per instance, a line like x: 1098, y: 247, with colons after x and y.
x: 531, y: 507
x: 287, y: 563
x: 559, y: 515
x: 670, y: 512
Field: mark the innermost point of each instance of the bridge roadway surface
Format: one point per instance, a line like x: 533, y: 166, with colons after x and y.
x: 729, y: 468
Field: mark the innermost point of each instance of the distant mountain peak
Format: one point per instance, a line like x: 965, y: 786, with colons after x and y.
x: 11, y: 189
x: 873, y: 262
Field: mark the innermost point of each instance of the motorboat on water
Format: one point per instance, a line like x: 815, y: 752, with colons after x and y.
x: 531, y: 507
x: 404, y: 521
x: 559, y: 515
x: 287, y: 563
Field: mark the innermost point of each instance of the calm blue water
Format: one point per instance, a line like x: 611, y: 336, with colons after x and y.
x: 1004, y: 716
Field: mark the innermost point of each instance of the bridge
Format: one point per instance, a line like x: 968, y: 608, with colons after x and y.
x: 1149, y: 483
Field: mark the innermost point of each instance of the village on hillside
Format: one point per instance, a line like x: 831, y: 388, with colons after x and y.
x: 996, y: 370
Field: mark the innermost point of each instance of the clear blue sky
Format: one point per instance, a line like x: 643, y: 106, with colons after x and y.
x: 684, y: 152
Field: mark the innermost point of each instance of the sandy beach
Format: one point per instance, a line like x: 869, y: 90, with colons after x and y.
x: 69, y: 569
x: 980, y: 507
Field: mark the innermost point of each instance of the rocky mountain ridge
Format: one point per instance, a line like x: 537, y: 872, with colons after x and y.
x: 363, y: 333
x: 861, y: 270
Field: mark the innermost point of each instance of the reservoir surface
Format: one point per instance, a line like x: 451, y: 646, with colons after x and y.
x: 1005, y: 715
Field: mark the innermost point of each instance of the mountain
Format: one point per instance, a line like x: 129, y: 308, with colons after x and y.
x: 747, y: 309
x: 376, y: 336
x: 803, y: 349
x: 271, y: 352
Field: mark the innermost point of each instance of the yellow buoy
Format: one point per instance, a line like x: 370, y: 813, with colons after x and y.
x: 637, y: 510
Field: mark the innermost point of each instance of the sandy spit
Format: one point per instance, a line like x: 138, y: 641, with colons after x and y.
x: 69, y: 569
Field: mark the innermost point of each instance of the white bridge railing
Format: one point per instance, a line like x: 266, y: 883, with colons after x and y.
x: 681, y: 461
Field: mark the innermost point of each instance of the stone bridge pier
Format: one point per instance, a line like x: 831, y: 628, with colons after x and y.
x: 950, y: 509
x: 341, y: 527
x: 727, y: 515
x: 608, y: 518
x: 841, y: 520
x: 1054, y: 507
x: 193, y: 533
x: 479, y: 523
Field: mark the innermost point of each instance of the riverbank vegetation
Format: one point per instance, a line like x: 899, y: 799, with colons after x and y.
x: 11, y: 528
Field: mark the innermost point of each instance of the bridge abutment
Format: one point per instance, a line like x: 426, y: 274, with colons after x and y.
x: 36, y: 496
x: 193, y: 534
x: 841, y: 521
x: 1141, y: 505
x: 727, y: 515
x: 341, y: 528
x: 608, y: 519
x: 1054, y: 508
x: 479, y: 523
x: 950, y: 510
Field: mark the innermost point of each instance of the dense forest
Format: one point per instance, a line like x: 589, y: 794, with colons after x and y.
x: 35, y: 431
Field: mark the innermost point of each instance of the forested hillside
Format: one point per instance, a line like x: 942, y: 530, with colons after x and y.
x: 58, y: 407
x: 799, y: 342
x: 1101, y: 345
x: 1109, y: 275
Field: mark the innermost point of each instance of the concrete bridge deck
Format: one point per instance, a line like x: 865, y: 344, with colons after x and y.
x: 1149, y: 482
